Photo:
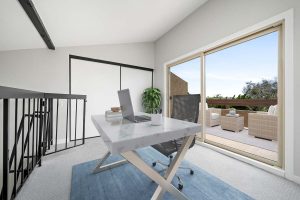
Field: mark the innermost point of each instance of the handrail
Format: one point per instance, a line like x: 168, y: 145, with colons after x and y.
x: 10, y: 92
x: 64, y: 96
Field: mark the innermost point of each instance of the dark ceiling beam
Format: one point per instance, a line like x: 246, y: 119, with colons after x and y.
x: 37, y: 22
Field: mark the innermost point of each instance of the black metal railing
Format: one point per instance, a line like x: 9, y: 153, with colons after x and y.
x: 33, y: 125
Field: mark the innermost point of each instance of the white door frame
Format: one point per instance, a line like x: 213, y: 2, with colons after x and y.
x: 287, y: 18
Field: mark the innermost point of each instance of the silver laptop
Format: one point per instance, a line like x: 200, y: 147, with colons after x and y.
x: 127, y: 109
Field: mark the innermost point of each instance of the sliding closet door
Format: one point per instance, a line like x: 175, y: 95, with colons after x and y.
x: 136, y: 81
x: 100, y: 82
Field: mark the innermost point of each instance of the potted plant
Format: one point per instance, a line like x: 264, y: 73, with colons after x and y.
x: 232, y: 111
x: 151, y: 100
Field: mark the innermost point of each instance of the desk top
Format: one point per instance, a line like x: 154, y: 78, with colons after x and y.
x: 121, y: 135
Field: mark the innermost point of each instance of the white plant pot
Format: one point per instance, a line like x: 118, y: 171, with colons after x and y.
x: 156, y: 119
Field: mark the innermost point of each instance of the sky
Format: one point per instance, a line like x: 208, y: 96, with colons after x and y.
x: 228, y: 70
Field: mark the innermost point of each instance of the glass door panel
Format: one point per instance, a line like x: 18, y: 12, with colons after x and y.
x: 242, y: 96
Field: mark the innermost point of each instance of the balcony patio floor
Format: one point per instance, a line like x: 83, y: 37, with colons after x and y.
x: 244, y: 142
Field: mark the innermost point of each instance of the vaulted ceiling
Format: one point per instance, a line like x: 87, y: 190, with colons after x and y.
x: 91, y: 22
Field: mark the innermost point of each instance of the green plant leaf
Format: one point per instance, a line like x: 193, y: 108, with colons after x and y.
x: 151, y: 99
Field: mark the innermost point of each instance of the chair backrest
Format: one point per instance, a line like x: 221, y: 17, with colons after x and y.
x: 186, y: 107
x: 273, y: 110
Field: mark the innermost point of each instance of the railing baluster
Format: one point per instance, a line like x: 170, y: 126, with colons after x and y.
x: 28, y: 136
x: 84, y: 113
x: 36, y: 114
x: 5, y: 149
x: 48, y: 124
x: 40, y: 131
x: 16, y: 148
x: 45, y: 127
x: 70, y: 121
x: 56, y: 124
x: 66, y: 146
x: 23, y: 150
x: 75, y: 123
x: 51, y: 122
x: 33, y: 127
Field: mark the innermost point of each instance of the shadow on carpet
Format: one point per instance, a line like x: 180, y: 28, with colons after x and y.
x: 127, y: 182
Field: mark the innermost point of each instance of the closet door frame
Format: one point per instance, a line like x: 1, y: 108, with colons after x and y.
x: 121, y: 65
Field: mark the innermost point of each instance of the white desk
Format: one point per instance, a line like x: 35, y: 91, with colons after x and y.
x: 124, y: 137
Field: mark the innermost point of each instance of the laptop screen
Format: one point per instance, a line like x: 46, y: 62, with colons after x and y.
x: 126, y: 105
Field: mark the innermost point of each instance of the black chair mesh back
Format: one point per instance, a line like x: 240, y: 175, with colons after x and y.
x: 186, y: 107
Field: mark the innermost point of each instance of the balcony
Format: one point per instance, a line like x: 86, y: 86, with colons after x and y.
x: 250, y: 142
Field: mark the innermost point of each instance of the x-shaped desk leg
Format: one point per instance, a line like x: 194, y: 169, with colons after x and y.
x: 164, y: 183
x: 100, y: 167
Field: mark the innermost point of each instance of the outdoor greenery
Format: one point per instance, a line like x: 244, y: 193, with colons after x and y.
x: 151, y: 100
x: 265, y: 89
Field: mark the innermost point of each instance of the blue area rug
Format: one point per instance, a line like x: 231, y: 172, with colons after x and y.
x: 127, y: 182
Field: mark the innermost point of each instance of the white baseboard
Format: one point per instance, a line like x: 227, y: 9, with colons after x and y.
x: 263, y: 166
x: 274, y: 170
x: 293, y: 178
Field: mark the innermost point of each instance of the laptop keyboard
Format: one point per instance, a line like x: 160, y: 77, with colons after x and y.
x: 142, y: 118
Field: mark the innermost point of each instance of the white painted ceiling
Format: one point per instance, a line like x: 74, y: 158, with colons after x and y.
x: 91, y: 22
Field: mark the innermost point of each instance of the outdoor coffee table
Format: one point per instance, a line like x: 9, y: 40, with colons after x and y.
x: 232, y: 123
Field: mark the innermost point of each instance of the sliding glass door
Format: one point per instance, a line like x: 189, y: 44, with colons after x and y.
x: 242, y: 87
x: 241, y: 83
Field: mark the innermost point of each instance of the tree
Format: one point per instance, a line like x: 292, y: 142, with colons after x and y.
x: 266, y: 89
x: 218, y: 96
x: 242, y: 96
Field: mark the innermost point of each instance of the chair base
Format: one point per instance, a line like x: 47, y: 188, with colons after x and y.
x: 180, y: 182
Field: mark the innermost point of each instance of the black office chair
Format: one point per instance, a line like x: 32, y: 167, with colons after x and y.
x: 185, y: 107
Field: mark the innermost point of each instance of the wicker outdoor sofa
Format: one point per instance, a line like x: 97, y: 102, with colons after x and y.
x: 263, y: 125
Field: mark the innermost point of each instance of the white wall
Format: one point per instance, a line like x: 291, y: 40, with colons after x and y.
x: 48, y: 71
x: 142, y: 79
x: 218, y: 19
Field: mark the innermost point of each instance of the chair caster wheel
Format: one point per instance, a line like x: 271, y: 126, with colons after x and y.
x: 180, y: 186
x: 191, y: 172
x: 154, y: 164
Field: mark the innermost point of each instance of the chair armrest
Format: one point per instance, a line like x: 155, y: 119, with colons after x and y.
x: 261, y: 113
x: 214, y: 110
x: 261, y: 116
